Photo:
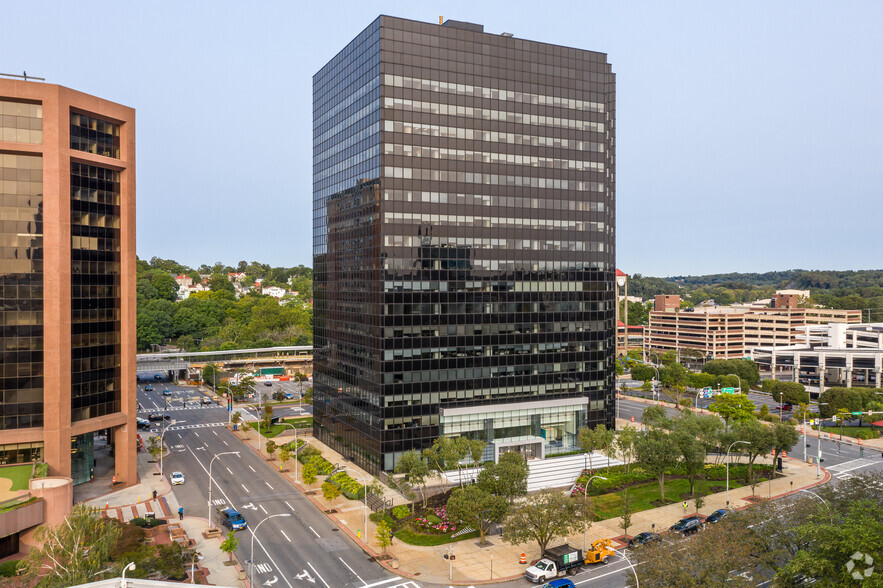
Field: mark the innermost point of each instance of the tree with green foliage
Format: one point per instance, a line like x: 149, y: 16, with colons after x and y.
x: 507, y: 477
x: 543, y: 516
x: 656, y: 417
x: 760, y: 442
x: 154, y: 447
x: 643, y: 372
x: 625, y: 445
x: 691, y: 450
x: 284, y: 456
x: 308, y: 473
x: 604, y: 439
x: 746, y: 369
x: 270, y: 447
x: 230, y: 544
x: 833, y: 399
x: 586, y: 440
x: 211, y: 375
x: 236, y: 418
x: 656, y: 453
x: 674, y: 375
x: 74, y: 552
x: 785, y: 436
x: 786, y: 392
x: 414, y: 469
x: 330, y: 491
x: 383, y: 536
x: 474, y: 507
x: 625, y: 520
x: 733, y: 407
x: 267, y: 418
x: 219, y: 283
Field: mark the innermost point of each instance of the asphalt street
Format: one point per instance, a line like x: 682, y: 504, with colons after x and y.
x: 293, y: 543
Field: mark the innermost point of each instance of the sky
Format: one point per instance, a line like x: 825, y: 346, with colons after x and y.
x: 749, y: 134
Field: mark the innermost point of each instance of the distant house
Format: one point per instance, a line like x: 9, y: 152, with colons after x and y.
x: 184, y: 280
x: 236, y: 276
x: 274, y: 291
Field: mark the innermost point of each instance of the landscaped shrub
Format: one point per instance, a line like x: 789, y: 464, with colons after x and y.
x: 147, y: 523
x: 9, y: 569
x: 401, y: 511
x: 868, y: 434
x: 377, y: 517
x: 307, y: 453
x: 41, y: 470
x: 322, y: 465
x: 349, y: 487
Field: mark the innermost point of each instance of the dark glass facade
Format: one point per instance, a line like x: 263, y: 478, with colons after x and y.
x: 21, y: 291
x: 95, y: 291
x: 93, y: 135
x: 463, y: 241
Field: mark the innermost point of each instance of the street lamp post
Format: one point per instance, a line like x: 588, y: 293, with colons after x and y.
x: 830, y: 514
x: 819, y: 443
x: 365, y: 496
x: 161, y: 445
x: 740, y: 381
x: 728, y: 468
x: 255, y: 532
x: 210, y: 479
x: 585, y: 504
x: 631, y: 565
x: 129, y: 567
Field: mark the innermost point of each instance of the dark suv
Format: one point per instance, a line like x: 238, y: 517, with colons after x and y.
x: 642, y: 538
x: 232, y: 519
x: 687, y: 526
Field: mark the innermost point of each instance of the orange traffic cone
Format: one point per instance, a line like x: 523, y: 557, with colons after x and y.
x: 114, y: 479
x: 633, y: 419
x: 523, y: 559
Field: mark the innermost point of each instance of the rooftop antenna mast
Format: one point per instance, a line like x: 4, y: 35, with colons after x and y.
x: 24, y: 76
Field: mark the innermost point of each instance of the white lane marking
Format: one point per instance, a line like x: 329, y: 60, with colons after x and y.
x: 195, y: 433
x: 225, y: 443
x: 215, y: 432
x: 268, y: 485
x: 262, y: 508
x: 288, y: 505
x: 387, y: 581
x: 318, y: 574
x: 244, y: 488
x: 179, y: 435
x: 314, y: 532
x: 252, y: 469
x: 284, y: 535
x: 350, y: 569
x: 260, y: 544
x: 228, y: 469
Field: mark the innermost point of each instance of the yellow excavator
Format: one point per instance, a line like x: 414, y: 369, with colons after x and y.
x: 600, y: 552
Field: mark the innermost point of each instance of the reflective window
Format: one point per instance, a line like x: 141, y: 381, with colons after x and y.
x: 95, y: 291
x: 20, y: 121
x: 94, y: 135
x: 21, y: 291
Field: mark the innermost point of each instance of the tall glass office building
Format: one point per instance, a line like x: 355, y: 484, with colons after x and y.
x: 464, y: 218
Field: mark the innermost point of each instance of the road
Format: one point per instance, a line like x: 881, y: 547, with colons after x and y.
x: 301, y: 548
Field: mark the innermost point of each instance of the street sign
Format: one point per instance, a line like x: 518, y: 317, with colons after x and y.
x: 856, y: 414
x: 728, y: 390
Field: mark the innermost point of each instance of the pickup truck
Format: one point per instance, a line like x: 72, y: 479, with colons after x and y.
x: 556, y: 561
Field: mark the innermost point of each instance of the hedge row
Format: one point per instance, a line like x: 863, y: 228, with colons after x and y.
x: 348, y: 487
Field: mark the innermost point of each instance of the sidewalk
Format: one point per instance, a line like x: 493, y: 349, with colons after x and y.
x: 499, y: 561
x: 137, y: 501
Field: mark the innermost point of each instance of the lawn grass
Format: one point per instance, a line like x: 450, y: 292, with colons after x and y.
x: 411, y: 537
x: 19, y: 474
x: 850, y: 431
x: 609, y: 506
x: 300, y: 423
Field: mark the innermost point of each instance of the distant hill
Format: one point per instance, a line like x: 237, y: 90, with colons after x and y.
x: 862, y: 289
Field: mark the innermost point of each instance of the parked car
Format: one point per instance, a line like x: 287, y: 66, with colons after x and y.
x: 687, y: 525
x: 178, y: 478
x: 642, y: 538
x: 148, y: 388
x: 232, y: 519
x: 288, y: 395
x: 717, y: 515
x: 157, y: 416
x: 268, y: 383
x: 158, y: 377
x: 166, y: 392
x: 142, y: 423
x: 206, y: 400
x: 785, y: 406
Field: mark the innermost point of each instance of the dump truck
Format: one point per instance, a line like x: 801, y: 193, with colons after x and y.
x: 601, y: 552
x: 556, y: 561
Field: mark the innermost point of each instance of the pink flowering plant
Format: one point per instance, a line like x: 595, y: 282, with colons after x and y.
x: 436, y: 522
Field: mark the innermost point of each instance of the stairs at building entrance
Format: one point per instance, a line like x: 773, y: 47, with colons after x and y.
x: 552, y: 472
